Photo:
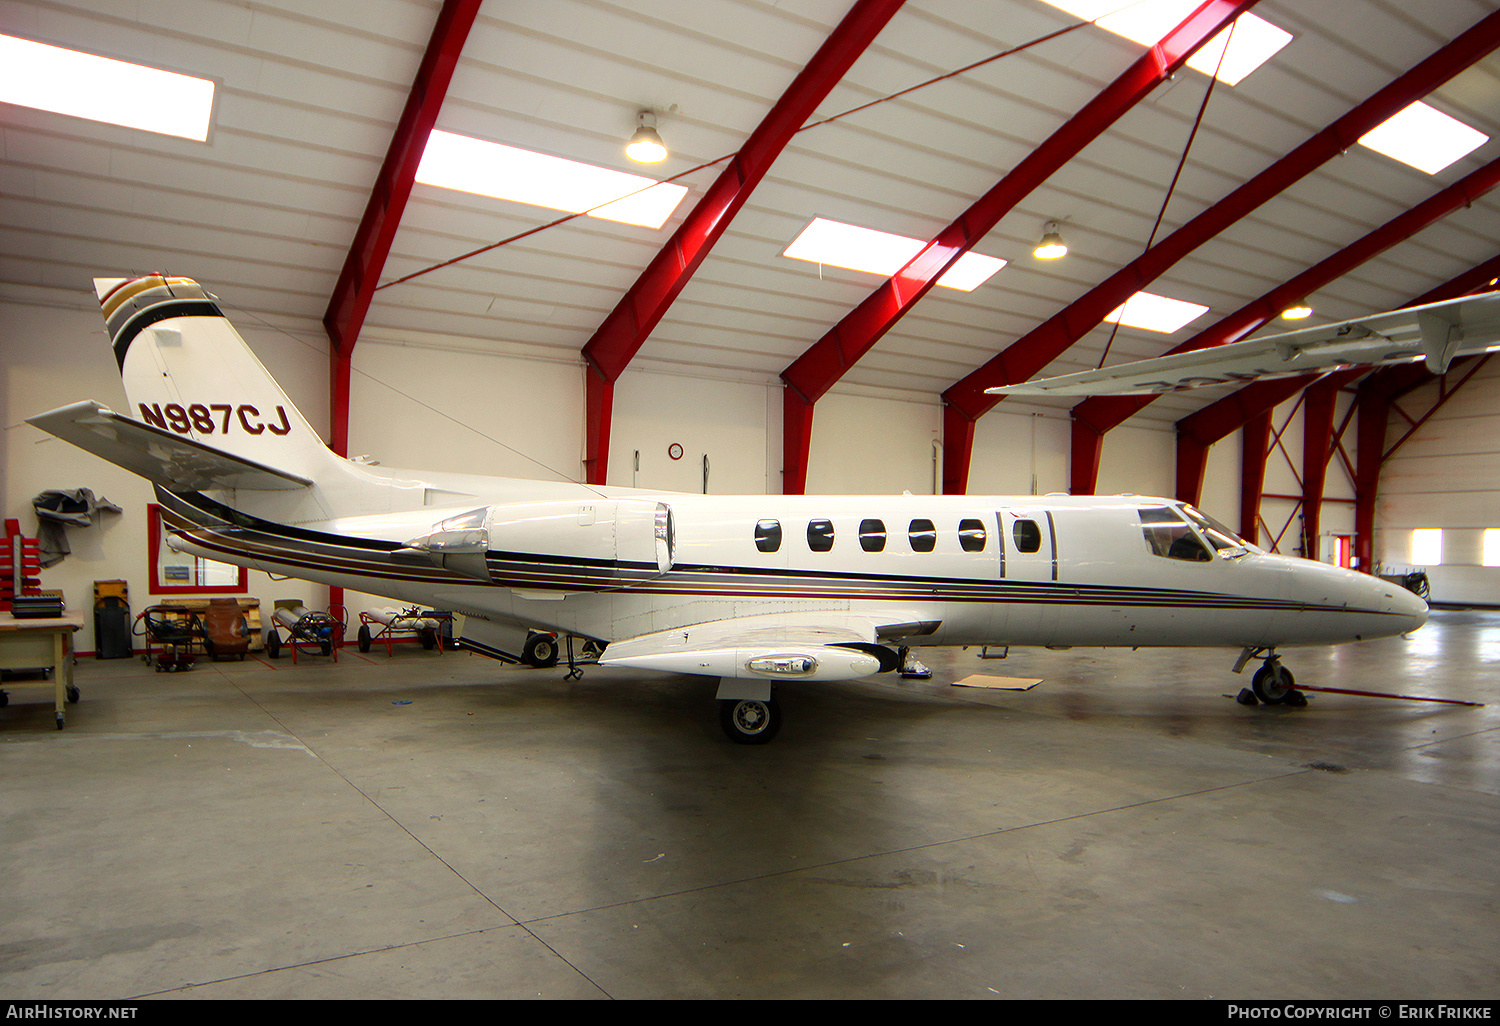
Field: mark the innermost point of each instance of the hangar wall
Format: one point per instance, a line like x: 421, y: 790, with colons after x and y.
x: 1446, y: 476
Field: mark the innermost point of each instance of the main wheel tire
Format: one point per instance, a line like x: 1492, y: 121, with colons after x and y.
x: 364, y: 638
x: 1273, y: 687
x: 540, y: 651
x: 750, y: 722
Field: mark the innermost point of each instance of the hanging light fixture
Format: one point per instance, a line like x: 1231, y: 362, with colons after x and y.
x: 1052, y: 246
x: 1297, y: 311
x: 646, y: 147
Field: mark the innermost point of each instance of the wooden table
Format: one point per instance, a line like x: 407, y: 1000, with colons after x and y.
x: 41, y: 644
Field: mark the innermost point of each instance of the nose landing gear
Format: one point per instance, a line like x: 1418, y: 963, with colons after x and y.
x: 1272, y: 684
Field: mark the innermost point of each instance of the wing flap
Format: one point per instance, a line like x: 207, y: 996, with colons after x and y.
x: 177, y: 463
x: 1435, y: 333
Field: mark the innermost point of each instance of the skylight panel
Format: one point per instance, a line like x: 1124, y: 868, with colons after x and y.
x: 1155, y: 313
x: 1423, y: 137
x: 505, y: 172
x: 1254, y: 40
x: 864, y: 249
x: 82, y: 85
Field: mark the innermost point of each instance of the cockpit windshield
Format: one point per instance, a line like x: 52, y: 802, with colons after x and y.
x: 1219, y: 536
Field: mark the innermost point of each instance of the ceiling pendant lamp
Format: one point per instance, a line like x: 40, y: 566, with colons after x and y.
x: 646, y: 147
x: 1052, y: 246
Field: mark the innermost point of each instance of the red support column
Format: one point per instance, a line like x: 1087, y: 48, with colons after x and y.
x: 1192, y: 459
x: 1374, y: 409
x: 1317, y: 447
x: 819, y: 368
x: 958, y: 449
x: 1027, y: 356
x: 631, y: 322
x: 796, y: 440
x: 1083, y: 468
x: 1255, y: 446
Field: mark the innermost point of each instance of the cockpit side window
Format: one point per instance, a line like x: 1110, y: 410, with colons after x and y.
x: 1168, y: 535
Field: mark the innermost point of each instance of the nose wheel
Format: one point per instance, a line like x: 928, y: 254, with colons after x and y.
x: 1272, y: 684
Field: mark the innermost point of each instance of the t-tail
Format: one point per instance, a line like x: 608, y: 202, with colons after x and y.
x: 187, y: 370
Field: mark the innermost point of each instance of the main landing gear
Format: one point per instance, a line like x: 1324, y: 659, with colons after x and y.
x: 1272, y: 684
x: 750, y: 721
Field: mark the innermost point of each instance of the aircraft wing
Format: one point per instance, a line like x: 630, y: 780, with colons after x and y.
x: 172, y: 461
x: 1435, y: 333
x: 802, y: 646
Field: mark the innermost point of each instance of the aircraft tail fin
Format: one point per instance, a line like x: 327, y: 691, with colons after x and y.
x: 187, y: 372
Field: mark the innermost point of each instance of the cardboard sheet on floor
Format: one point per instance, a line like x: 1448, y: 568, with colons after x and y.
x: 979, y: 680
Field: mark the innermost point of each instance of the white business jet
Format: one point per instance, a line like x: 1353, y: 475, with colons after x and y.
x: 752, y: 589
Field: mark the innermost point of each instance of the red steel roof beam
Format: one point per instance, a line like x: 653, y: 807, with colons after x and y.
x: 1029, y: 355
x: 818, y: 369
x: 1096, y: 416
x: 351, y: 297
x: 631, y: 322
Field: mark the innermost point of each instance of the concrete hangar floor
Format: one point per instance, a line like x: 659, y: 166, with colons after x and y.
x: 425, y: 825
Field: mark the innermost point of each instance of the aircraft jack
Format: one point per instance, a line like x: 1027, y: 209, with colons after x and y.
x: 913, y: 669
x: 1272, y: 684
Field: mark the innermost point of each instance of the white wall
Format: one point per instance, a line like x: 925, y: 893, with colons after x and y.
x: 736, y: 424
x: 1020, y: 452
x: 53, y: 351
x: 1446, y: 476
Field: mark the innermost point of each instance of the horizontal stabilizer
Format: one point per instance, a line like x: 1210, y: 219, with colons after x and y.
x: 1435, y: 334
x: 172, y: 461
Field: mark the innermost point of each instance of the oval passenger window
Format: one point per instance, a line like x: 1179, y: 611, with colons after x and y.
x: 820, y: 535
x: 1028, y: 535
x: 768, y: 535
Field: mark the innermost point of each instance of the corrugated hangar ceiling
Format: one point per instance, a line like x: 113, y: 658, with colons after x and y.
x: 309, y: 98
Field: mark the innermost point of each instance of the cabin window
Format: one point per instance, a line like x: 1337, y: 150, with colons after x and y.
x: 1028, y: 535
x: 872, y: 535
x: 820, y: 535
x: 768, y: 535
x: 923, y: 535
x: 1167, y: 534
x: 971, y: 535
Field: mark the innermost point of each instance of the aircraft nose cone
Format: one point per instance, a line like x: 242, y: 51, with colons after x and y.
x: 1411, y: 608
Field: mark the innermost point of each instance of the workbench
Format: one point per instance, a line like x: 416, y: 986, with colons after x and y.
x: 39, y: 644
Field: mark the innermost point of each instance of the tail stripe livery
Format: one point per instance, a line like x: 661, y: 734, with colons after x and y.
x: 132, y: 305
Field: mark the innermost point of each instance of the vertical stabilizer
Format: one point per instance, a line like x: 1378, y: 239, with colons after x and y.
x: 186, y: 370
